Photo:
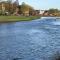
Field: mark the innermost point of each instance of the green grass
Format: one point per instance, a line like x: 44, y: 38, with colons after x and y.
x: 17, y: 18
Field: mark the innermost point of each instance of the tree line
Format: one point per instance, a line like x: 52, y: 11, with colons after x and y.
x: 53, y: 12
x: 12, y: 7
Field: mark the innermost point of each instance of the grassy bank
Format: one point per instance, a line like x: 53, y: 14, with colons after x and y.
x: 17, y: 18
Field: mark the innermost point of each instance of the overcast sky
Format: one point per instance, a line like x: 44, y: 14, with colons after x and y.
x: 42, y: 4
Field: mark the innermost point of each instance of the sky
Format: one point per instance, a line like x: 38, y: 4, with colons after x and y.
x: 42, y: 4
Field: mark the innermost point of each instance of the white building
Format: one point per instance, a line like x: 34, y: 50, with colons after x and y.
x: 42, y: 11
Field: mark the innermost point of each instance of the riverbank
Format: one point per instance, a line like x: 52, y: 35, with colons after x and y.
x: 17, y: 18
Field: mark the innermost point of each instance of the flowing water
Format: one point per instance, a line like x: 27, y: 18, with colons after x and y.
x: 31, y: 40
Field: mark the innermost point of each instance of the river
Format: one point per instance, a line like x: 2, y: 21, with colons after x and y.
x: 30, y: 40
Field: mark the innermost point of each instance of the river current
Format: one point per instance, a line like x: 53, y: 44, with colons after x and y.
x: 30, y: 40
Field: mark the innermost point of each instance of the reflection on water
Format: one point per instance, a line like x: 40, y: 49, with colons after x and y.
x: 34, y: 40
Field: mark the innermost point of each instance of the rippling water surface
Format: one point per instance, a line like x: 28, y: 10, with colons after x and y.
x: 33, y: 40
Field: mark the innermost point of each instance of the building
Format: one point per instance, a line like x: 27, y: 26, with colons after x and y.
x: 8, y: 7
x: 42, y: 11
x: 35, y: 12
x: 46, y: 13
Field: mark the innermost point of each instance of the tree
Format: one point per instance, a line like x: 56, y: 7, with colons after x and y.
x: 9, y: 1
x: 51, y: 11
x: 26, y: 7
